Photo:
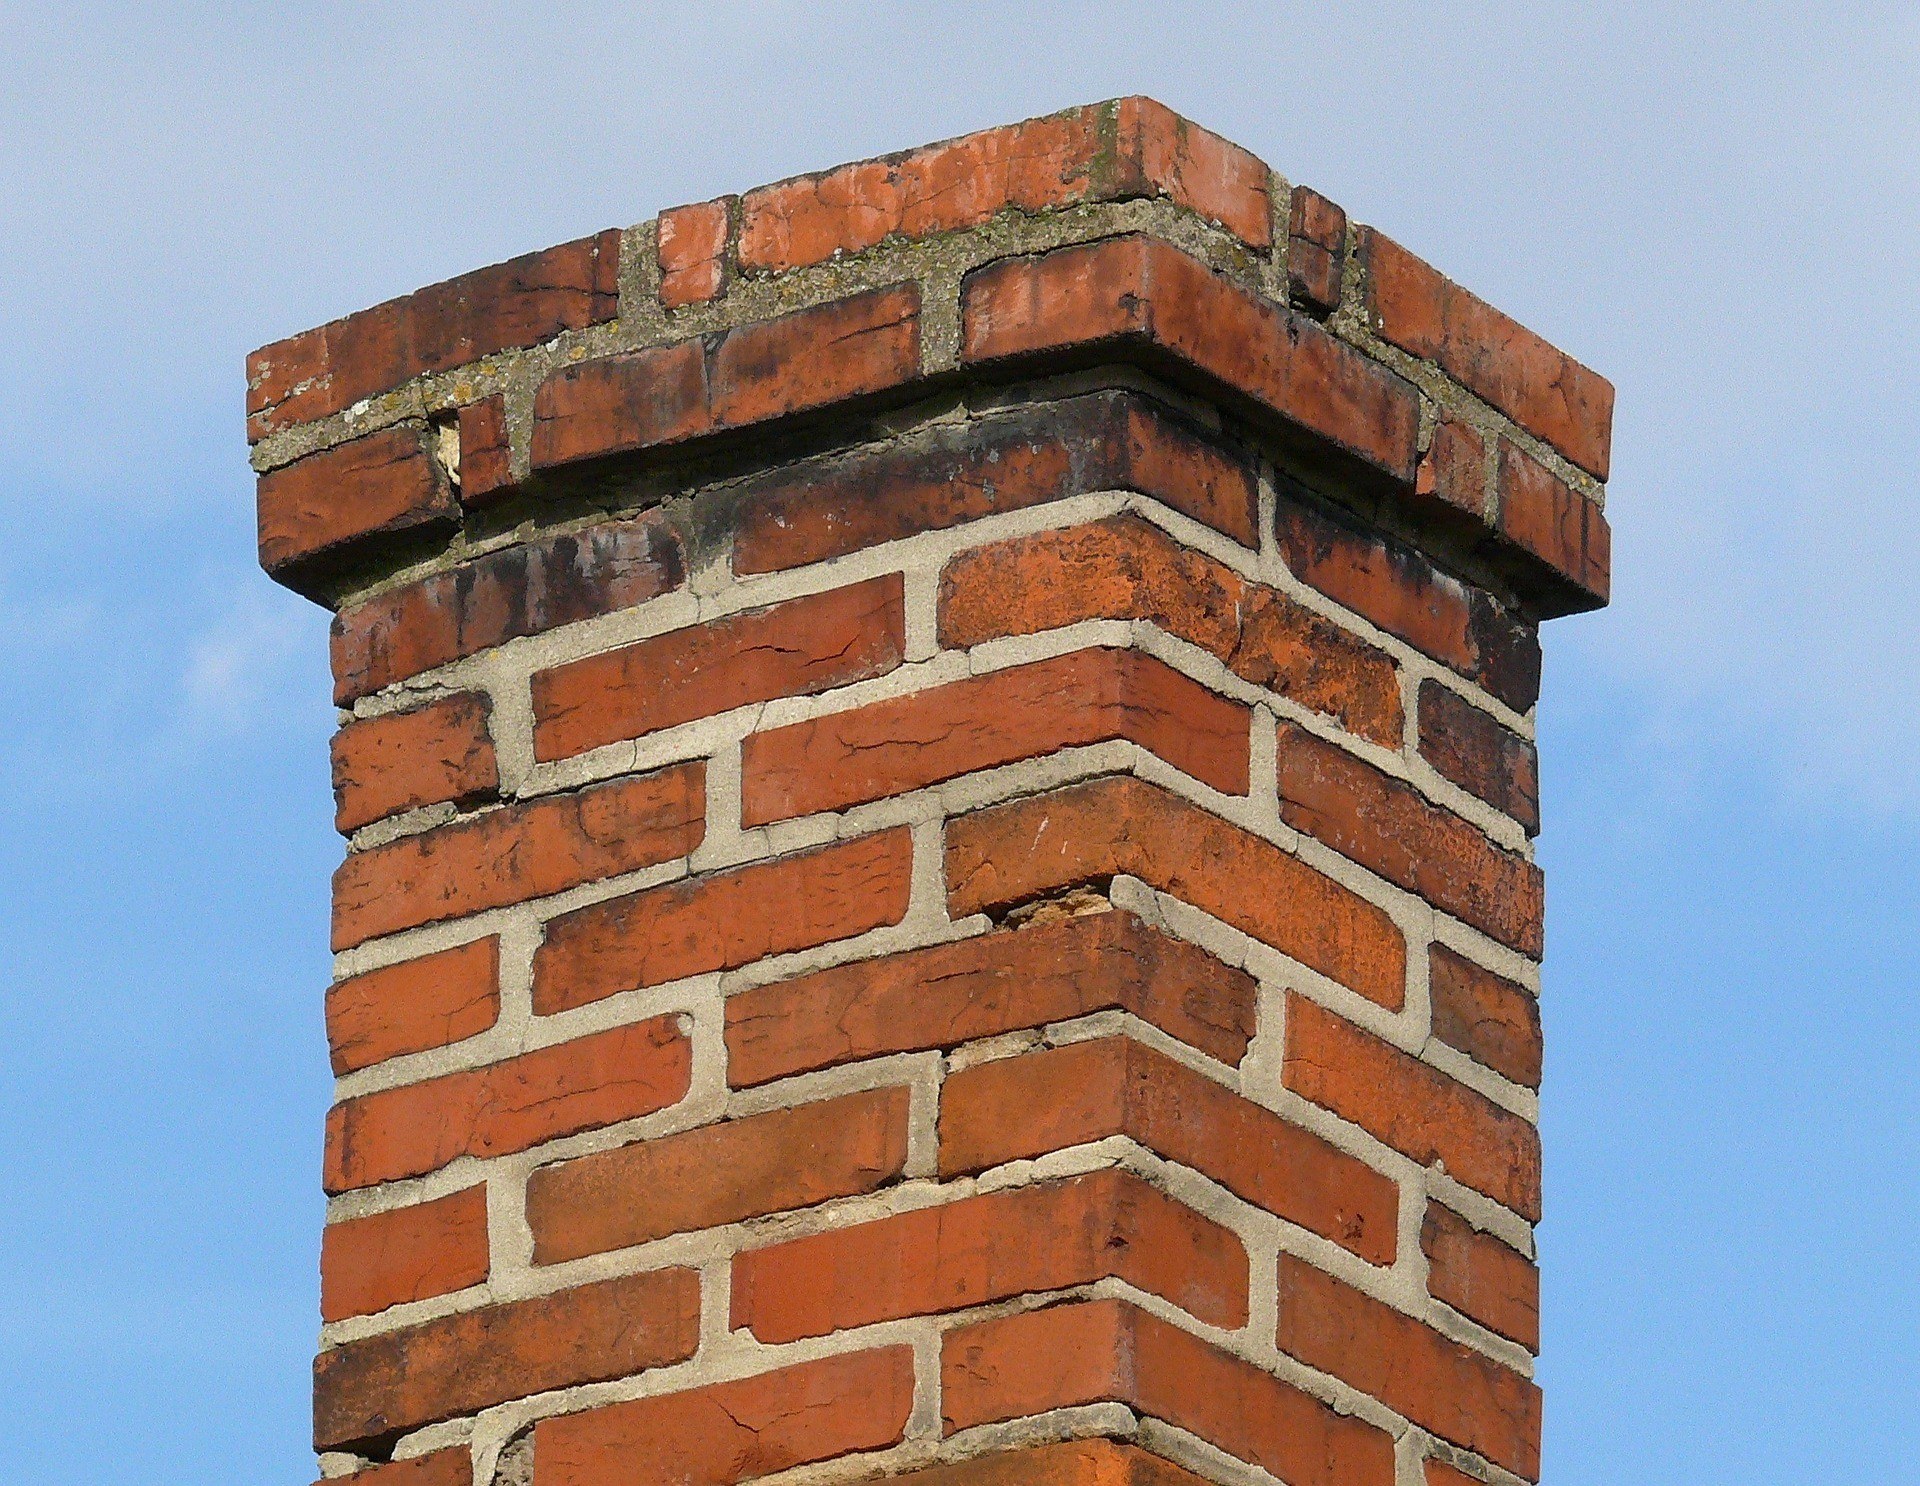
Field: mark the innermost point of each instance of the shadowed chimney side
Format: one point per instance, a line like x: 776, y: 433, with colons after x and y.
x: 938, y: 770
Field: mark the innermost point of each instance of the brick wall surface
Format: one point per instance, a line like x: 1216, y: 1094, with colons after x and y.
x: 939, y: 788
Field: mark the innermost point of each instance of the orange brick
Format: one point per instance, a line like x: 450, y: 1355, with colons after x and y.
x: 1092, y: 1462
x: 403, y: 760
x: 693, y: 253
x: 449, y: 1467
x: 1541, y: 515
x: 1167, y: 307
x: 1126, y: 568
x: 370, y: 1391
x: 1109, y: 1351
x: 406, y: 1253
x: 486, y: 453
x: 803, y: 646
x: 906, y: 743
x: 1023, y: 1107
x: 722, y: 921
x: 729, y: 1432
x: 1090, y: 832
x: 1462, y: 1395
x: 1439, y: 1473
x: 1487, y: 1017
x: 744, y: 1168
x: 1454, y: 473
x: 996, y: 982
x: 433, y: 1001
x: 1316, y: 250
x: 1388, y: 827
x: 1480, y: 755
x: 1412, y: 1107
x: 1481, y: 1277
x: 504, y: 1107
x: 325, y: 507
x: 1159, y: 153
x: 984, y: 1248
x: 527, y: 850
x: 1545, y: 391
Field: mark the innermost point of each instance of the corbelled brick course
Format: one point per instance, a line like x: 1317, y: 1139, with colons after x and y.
x: 939, y: 782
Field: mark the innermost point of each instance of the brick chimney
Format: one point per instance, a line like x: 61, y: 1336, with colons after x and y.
x: 938, y: 774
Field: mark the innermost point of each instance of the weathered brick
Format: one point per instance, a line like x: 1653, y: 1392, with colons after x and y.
x: 600, y: 1079
x: 1542, y: 515
x: 406, y: 1253
x: 803, y: 646
x: 1480, y: 754
x: 733, y: 1431
x: 996, y: 982
x: 1481, y: 1277
x: 432, y: 1001
x: 1003, y: 856
x: 1455, y: 475
x: 724, y: 920
x: 450, y: 1467
x: 518, y: 303
x: 831, y: 353
x: 520, y: 851
x: 1022, y: 1107
x: 1316, y: 250
x: 978, y: 1249
x: 1158, y: 153
x: 486, y: 456
x: 1395, y: 587
x: 1438, y: 1473
x: 1126, y: 568
x: 502, y: 596
x: 1412, y: 1107
x: 1388, y: 827
x: 997, y: 462
x: 1461, y: 1395
x: 1091, y: 1462
x: 744, y: 1168
x: 693, y: 253
x: 1107, y: 1350
x: 368, y: 1392
x: 1486, y: 1016
x: 403, y: 760
x: 1545, y: 391
x: 329, y: 505
x: 907, y: 743
x: 1145, y: 296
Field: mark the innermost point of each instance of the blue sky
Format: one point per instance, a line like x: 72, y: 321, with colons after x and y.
x: 1716, y: 209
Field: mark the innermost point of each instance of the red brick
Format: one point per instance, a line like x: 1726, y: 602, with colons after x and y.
x: 997, y: 462
x: 1479, y: 754
x: 1159, y: 153
x: 403, y: 760
x: 502, y: 596
x: 1141, y: 293
x: 1003, y: 856
x: 1412, y: 1107
x: 368, y: 1392
x: 600, y: 1079
x: 1542, y: 515
x: 693, y: 253
x: 1486, y: 1016
x: 1126, y: 568
x: 1316, y: 250
x: 984, y: 1248
x: 406, y: 1253
x: 803, y: 646
x: 518, y: 303
x: 1439, y: 1473
x: 868, y: 343
x: 1395, y: 587
x: 1109, y: 1351
x: 1481, y: 1277
x: 1454, y: 472
x: 1067, y: 701
x: 1545, y: 391
x: 1388, y: 827
x: 449, y: 1467
x: 1461, y: 1395
x: 722, y: 921
x: 432, y: 1001
x: 1022, y: 1107
x: 1091, y: 1462
x: 521, y: 851
x: 328, y: 505
x: 725, y: 1173
x: 486, y: 456
x: 734, y: 1431
x: 997, y: 982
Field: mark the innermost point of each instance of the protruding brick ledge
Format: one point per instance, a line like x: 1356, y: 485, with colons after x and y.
x: 1116, y: 233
